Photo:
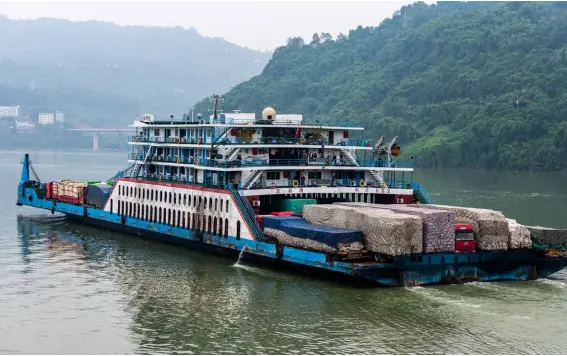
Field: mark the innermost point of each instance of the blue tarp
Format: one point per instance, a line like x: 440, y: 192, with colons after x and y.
x: 299, y: 227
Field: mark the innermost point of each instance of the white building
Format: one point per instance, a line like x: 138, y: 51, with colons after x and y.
x: 59, y: 117
x: 46, y: 118
x: 10, y: 110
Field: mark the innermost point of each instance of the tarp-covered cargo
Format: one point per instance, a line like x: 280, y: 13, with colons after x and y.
x: 438, y: 225
x: 97, y: 195
x: 295, y: 231
x: 295, y: 205
x: 384, y: 231
x: 548, y: 237
x: 490, y: 227
x: 519, y: 236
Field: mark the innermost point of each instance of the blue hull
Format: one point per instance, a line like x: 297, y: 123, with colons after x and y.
x: 445, y: 268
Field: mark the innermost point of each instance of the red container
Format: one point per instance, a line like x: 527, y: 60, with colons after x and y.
x: 283, y: 213
x: 49, y: 190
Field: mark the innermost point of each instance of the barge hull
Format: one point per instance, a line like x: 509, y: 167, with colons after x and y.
x: 423, y: 269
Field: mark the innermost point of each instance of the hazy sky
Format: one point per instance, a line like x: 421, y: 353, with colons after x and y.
x: 259, y: 25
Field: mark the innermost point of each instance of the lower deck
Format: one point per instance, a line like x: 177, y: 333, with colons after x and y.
x: 406, y: 270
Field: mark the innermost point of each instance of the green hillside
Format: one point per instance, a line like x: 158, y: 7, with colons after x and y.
x: 100, y: 73
x: 462, y: 84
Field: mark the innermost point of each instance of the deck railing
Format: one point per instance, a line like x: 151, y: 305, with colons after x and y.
x: 264, y: 162
x: 253, y: 141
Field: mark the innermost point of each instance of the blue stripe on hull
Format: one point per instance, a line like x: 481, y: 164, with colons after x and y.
x: 406, y: 270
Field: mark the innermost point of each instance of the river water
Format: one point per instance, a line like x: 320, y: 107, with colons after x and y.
x: 71, y: 289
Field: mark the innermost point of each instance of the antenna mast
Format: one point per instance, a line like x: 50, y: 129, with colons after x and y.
x: 215, y: 99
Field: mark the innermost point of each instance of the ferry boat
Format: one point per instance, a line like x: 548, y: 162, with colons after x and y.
x: 206, y: 182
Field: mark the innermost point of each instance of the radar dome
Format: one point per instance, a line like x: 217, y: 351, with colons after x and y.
x: 268, y: 114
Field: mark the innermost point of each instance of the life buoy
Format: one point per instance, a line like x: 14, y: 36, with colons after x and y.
x: 295, y: 183
x: 178, y: 160
x: 362, y: 183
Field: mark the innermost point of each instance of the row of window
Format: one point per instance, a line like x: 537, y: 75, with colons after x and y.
x: 276, y: 175
x: 177, y: 218
x: 174, y: 198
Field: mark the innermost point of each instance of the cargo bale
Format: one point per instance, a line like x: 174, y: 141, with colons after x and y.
x: 548, y: 237
x: 519, y: 236
x: 490, y: 227
x: 384, y: 231
x: 438, y: 225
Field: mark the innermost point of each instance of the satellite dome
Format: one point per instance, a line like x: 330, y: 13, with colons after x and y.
x: 268, y: 114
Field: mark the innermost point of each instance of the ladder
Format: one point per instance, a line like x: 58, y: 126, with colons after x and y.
x: 218, y: 134
x: 231, y: 154
x: 248, y: 214
x: 252, y: 178
x: 138, y: 166
x: 350, y: 155
x: 378, y: 175
x: 421, y: 194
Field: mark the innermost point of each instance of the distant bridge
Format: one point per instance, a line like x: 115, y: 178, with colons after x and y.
x: 97, y: 131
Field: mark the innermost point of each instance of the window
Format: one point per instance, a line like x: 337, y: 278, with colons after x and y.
x: 220, y: 226
x: 225, y: 227
x: 194, y: 201
x: 169, y: 197
x: 199, y: 205
x: 226, y: 206
x: 272, y: 175
x: 111, y: 206
x: 174, y: 198
x: 184, y: 199
x: 156, y: 132
x: 209, y: 225
x: 152, y: 194
x: 216, y: 204
x: 215, y: 226
x: 179, y: 198
x: 314, y: 175
x: 205, y: 203
x: 160, y: 196
x: 238, y: 229
x: 210, y: 203
x: 168, y: 216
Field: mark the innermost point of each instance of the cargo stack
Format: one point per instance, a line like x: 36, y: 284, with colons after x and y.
x: 438, y: 225
x: 69, y: 192
x: 297, y: 232
x: 548, y: 238
x: 519, y: 236
x: 385, y: 232
x: 490, y: 227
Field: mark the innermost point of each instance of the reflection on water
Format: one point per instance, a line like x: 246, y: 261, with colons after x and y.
x: 69, y: 288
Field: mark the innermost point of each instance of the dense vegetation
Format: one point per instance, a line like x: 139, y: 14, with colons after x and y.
x: 97, y: 72
x: 461, y: 84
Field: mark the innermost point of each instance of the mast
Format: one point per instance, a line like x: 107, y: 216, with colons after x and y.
x: 215, y: 100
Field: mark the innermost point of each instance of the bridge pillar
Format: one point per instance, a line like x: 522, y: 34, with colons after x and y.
x: 95, y: 141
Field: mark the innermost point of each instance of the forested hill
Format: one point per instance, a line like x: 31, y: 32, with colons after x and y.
x: 461, y: 84
x: 97, y: 71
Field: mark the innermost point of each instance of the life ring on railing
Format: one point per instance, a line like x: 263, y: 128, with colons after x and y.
x: 198, y: 141
x: 273, y: 185
x: 362, y: 183
x: 295, y: 183
x: 353, y: 183
x: 178, y: 160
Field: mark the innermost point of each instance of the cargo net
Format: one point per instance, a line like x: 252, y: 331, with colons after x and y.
x: 385, y: 232
x: 438, y: 225
x: 490, y: 227
x: 546, y: 238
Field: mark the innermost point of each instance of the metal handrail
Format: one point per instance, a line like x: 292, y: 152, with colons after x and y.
x: 252, y: 141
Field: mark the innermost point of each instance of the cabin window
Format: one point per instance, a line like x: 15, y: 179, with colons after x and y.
x: 192, y: 225
x: 160, y: 196
x: 199, y: 205
x: 216, y: 204
x: 111, y: 206
x: 220, y: 226
x: 194, y: 201
x: 156, y: 132
x: 210, y: 203
x: 205, y: 203
x: 215, y: 226
x: 184, y: 199
x: 178, y: 218
x: 174, y: 198
x: 168, y: 217
x: 169, y: 197
x: 225, y: 227
x: 238, y: 229
x: 221, y: 203
x: 272, y: 175
x: 179, y: 198
x: 209, y: 224
x: 226, y: 206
